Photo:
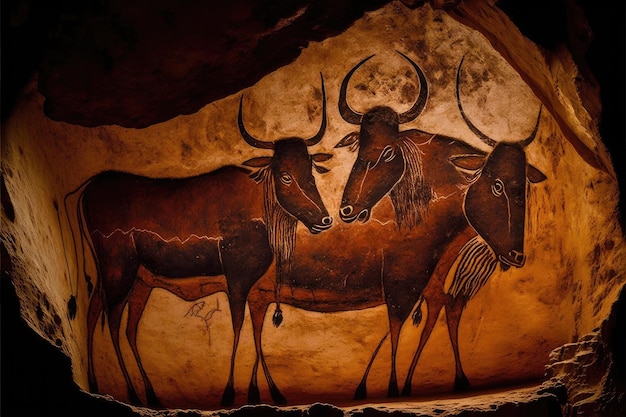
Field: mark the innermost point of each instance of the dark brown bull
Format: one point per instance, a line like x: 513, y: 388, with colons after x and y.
x: 355, y: 277
x: 446, y: 192
x: 195, y: 236
x: 327, y: 276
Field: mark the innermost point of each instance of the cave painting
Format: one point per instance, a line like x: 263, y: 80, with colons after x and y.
x: 450, y: 199
x: 180, y: 233
x: 462, y: 203
x: 455, y: 208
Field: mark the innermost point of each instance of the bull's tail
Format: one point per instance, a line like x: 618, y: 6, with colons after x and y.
x: 72, y: 302
x: 417, y: 314
x: 277, y: 318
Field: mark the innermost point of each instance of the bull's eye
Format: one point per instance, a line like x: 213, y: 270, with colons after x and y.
x: 388, y: 154
x: 285, y: 178
x: 497, y: 188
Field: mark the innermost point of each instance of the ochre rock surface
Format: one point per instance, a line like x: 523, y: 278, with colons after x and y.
x: 576, y: 255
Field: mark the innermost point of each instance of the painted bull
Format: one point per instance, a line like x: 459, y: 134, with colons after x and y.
x: 355, y: 278
x: 195, y: 236
x: 447, y: 192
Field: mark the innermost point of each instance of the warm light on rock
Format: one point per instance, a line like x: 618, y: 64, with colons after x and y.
x: 406, y: 209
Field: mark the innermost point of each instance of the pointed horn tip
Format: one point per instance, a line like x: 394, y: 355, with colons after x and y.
x: 247, y: 137
x: 320, y: 134
x: 403, y: 54
x: 419, y: 105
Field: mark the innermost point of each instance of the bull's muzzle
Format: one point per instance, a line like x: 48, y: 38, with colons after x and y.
x: 513, y: 258
x: 327, y: 223
x: 347, y: 214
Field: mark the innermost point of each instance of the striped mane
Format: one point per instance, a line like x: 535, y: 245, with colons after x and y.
x: 477, y: 263
x: 411, y: 195
x: 281, y: 226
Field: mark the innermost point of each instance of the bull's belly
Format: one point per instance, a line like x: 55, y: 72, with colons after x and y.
x: 331, y: 301
x: 175, y: 258
x: 187, y: 288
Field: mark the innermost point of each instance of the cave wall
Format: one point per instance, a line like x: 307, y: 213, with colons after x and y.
x: 572, y: 220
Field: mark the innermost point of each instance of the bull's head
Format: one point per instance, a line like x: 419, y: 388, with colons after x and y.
x: 495, y: 203
x: 380, y: 163
x: 291, y: 170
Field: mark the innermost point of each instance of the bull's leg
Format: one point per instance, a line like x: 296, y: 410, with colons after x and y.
x: 117, y: 268
x: 395, y: 325
x: 453, y: 317
x: 257, y: 314
x: 115, y: 318
x: 258, y: 301
x: 436, y: 298
x: 434, y: 306
x: 136, y: 304
x: 361, y: 389
x: 402, y: 291
x: 237, y: 312
x: 245, y: 258
x: 93, y: 313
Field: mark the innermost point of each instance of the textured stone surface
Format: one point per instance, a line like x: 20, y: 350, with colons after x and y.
x: 44, y: 159
x: 113, y: 63
x: 592, y: 369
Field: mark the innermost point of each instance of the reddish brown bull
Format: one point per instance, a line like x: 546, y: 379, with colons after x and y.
x: 357, y: 277
x: 446, y: 192
x: 328, y: 276
x: 195, y: 236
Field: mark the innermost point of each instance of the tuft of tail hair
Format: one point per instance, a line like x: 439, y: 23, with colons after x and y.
x: 417, y: 314
x: 277, y: 318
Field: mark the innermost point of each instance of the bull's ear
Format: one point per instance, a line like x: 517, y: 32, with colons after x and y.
x: 259, y: 162
x: 469, y: 165
x: 321, y: 157
x: 417, y: 136
x: 351, y: 140
x: 533, y: 175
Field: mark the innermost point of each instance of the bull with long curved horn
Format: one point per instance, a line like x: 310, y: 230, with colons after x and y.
x: 472, y: 209
x: 194, y: 236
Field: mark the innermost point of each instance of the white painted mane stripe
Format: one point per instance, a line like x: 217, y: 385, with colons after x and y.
x: 176, y: 238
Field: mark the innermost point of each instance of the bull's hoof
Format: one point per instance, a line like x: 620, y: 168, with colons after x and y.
x: 277, y: 397
x: 254, y: 396
x: 153, y: 400
x: 228, y: 397
x: 133, y: 398
x: 461, y: 383
x: 392, y: 391
x: 93, y: 386
x: 361, y: 392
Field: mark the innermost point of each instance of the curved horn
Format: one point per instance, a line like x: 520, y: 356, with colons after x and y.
x: 472, y: 127
x: 530, y: 138
x: 320, y: 134
x: 251, y: 140
x: 346, y: 112
x: 420, y: 103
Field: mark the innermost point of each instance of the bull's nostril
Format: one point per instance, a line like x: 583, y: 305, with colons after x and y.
x: 518, y: 256
x: 363, y: 214
x: 346, y: 210
x: 327, y: 220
